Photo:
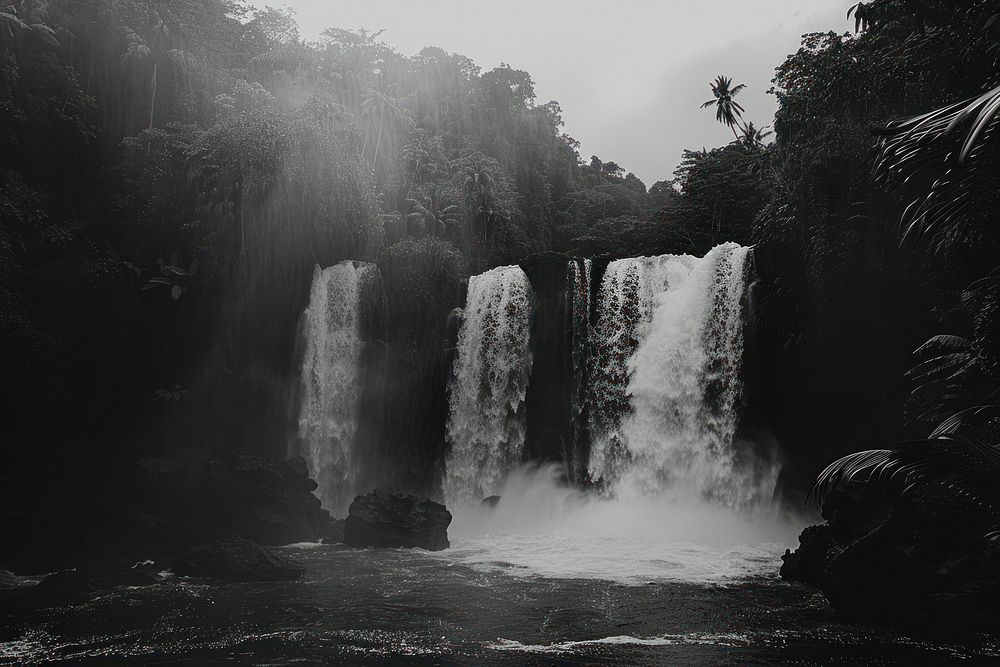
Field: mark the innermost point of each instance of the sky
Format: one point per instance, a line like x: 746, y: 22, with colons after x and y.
x: 630, y: 75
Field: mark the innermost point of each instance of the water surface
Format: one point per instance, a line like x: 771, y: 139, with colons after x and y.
x: 474, y: 604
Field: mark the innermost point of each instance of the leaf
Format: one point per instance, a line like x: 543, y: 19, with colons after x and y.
x: 45, y: 34
x: 944, y: 343
x: 176, y: 291
x: 965, y: 419
x: 938, y: 365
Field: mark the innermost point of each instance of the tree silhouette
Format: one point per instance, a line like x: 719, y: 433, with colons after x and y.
x: 727, y: 110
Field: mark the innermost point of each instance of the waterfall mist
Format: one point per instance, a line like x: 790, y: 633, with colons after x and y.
x: 329, y: 406
x: 543, y: 526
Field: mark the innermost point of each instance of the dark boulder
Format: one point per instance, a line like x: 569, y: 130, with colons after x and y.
x: 808, y: 563
x: 228, y: 493
x: 240, y: 560
x: 336, y: 535
x: 93, y: 511
x: 913, y: 566
x: 383, y: 519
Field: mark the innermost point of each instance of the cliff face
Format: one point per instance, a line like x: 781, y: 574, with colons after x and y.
x: 548, y: 403
x: 827, y: 354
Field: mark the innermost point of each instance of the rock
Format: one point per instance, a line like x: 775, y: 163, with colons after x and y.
x: 234, y: 494
x: 383, y: 519
x: 548, y: 399
x: 98, y: 510
x: 241, y: 560
x: 490, y: 501
x: 85, y: 582
x: 297, y: 466
x: 810, y: 560
x: 336, y: 535
x: 913, y: 566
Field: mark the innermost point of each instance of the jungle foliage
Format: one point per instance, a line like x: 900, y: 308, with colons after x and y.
x: 171, y: 170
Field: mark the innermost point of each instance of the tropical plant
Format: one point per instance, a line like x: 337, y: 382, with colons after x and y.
x: 754, y: 137
x: 960, y: 459
x: 380, y: 109
x: 487, y: 198
x: 22, y: 20
x: 953, y: 147
x: 433, y: 212
x: 863, y: 14
x: 951, y: 371
x: 727, y: 110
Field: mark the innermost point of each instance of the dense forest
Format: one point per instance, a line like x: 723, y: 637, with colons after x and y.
x: 172, y: 170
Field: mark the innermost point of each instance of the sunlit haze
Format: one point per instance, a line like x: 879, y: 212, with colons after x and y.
x: 630, y: 75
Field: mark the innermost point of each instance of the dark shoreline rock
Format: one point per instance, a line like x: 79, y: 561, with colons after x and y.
x: 384, y: 519
x: 336, y: 535
x: 89, y: 512
x: 913, y: 567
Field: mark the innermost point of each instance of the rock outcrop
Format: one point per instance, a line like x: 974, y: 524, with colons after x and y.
x: 918, y: 567
x: 383, y: 519
x: 240, y: 560
x: 227, y: 493
x: 95, y: 511
x: 549, y: 422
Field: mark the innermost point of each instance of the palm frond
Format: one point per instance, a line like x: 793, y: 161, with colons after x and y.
x: 944, y: 343
x: 11, y: 27
x: 46, y: 35
x: 846, y: 470
x: 955, y: 459
x: 954, y: 146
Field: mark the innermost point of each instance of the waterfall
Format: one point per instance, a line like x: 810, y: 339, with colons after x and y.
x: 624, y: 315
x: 486, y: 421
x: 330, y: 391
x: 578, y: 315
x: 665, y: 391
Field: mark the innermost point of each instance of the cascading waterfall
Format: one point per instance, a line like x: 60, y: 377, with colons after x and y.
x: 625, y: 307
x: 578, y: 315
x: 333, y: 343
x: 666, y: 387
x: 486, y: 421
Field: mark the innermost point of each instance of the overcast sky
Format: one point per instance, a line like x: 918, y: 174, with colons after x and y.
x: 629, y: 74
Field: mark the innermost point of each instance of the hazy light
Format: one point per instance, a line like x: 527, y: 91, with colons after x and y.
x: 629, y: 75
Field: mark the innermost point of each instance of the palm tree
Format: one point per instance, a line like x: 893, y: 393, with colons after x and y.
x: 863, y: 15
x: 433, y: 211
x: 26, y: 18
x: 481, y: 202
x: 137, y: 52
x: 381, y: 108
x: 727, y: 110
